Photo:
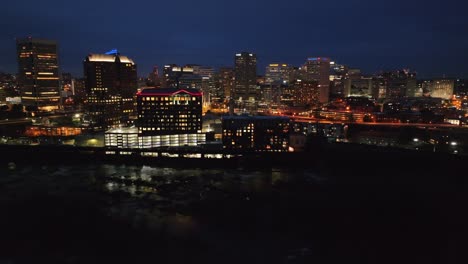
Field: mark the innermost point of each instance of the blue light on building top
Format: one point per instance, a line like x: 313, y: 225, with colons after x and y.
x: 113, y: 52
x: 318, y: 59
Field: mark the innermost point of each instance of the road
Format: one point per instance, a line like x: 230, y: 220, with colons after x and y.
x: 15, y: 121
x: 302, y: 119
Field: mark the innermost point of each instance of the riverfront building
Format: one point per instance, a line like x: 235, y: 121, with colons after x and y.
x: 256, y: 133
x: 169, y: 117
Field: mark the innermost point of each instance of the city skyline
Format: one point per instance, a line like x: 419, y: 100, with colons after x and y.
x: 366, y: 35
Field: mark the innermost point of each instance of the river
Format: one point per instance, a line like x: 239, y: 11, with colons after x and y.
x: 95, y: 213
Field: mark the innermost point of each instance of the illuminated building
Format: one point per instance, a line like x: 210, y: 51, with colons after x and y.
x: 154, y: 77
x: 111, y: 84
x: 318, y: 70
x: 277, y: 73
x: 125, y: 137
x: 226, y: 80
x: 361, y: 86
x: 245, y: 73
x: 79, y: 90
x: 256, y: 133
x: 203, y: 71
x: 337, y: 77
x: 306, y: 93
x: 379, y: 88
x: 53, y: 131
x: 38, y: 73
x: 439, y: 88
x: 169, y: 117
x: 190, y: 81
x: 400, y: 84
x: 461, y: 87
x: 268, y: 93
x: 211, y: 92
x: 173, y: 73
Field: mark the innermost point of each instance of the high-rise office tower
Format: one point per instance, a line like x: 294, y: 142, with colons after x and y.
x: 306, y: 93
x: 245, y: 73
x: 111, y: 85
x: 338, y: 73
x: 226, y: 81
x: 277, y: 73
x: 461, y: 87
x: 318, y: 70
x: 153, y: 77
x: 400, y: 83
x: 173, y: 75
x: 208, y: 87
x: 38, y: 73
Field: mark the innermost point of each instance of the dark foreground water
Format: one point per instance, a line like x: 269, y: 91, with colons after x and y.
x: 94, y: 213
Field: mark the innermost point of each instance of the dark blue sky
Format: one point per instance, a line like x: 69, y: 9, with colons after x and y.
x: 430, y: 37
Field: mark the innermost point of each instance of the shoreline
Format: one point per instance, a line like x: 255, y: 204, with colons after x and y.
x: 334, y: 156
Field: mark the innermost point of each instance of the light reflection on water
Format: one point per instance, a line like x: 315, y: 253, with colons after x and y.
x: 153, y: 197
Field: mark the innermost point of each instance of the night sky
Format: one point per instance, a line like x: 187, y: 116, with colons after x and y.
x: 430, y: 37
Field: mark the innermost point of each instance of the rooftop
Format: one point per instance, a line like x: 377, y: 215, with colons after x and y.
x: 246, y: 117
x: 123, y: 130
x: 109, y: 58
x: 36, y: 40
x: 168, y: 91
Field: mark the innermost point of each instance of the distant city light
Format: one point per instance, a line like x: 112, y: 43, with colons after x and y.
x: 416, y: 139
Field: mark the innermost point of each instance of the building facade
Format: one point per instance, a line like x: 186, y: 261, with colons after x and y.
x: 38, y: 73
x: 318, y: 70
x: 245, y: 73
x: 306, y: 93
x: 358, y: 87
x: 111, y: 84
x: 169, y: 117
x: 400, y: 84
x: 172, y: 75
x: 277, y: 73
x: 226, y: 81
x: 256, y: 133
x: 440, y: 88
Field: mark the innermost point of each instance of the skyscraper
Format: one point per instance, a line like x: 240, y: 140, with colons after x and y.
x: 338, y: 73
x: 318, y: 70
x: 226, y: 81
x: 154, y: 77
x: 173, y: 74
x: 111, y: 84
x: 245, y: 73
x: 400, y: 83
x: 208, y: 87
x: 306, y: 93
x: 277, y: 73
x: 38, y: 73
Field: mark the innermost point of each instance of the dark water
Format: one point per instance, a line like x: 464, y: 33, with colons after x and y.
x: 97, y: 213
